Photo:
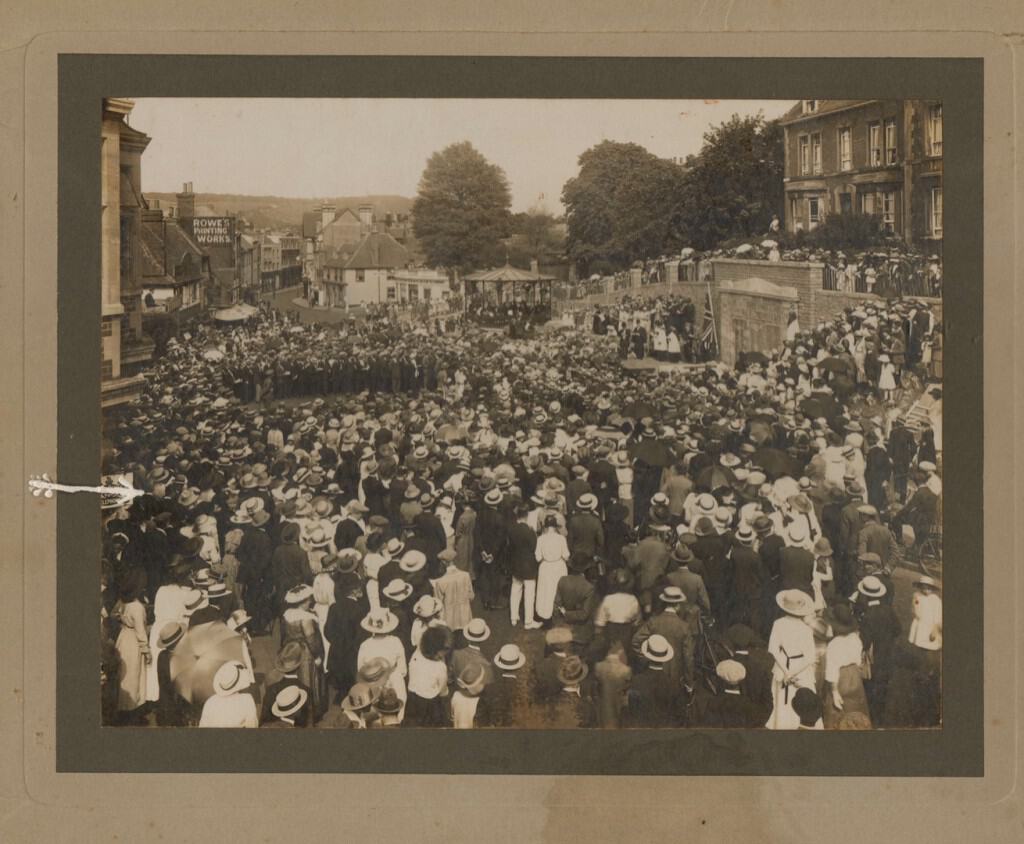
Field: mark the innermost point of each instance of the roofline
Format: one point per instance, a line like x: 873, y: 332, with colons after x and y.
x: 814, y: 114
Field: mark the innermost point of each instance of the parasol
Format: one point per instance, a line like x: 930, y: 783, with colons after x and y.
x: 712, y: 477
x: 760, y: 431
x: 774, y: 462
x: 653, y: 453
x: 236, y: 313
x: 784, y: 488
x: 197, y: 657
x: 639, y: 409
x: 820, y: 406
x: 834, y: 364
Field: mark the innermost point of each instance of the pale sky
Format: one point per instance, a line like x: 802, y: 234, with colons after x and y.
x: 313, y: 148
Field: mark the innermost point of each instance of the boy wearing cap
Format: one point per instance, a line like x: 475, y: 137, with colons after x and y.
x: 731, y: 707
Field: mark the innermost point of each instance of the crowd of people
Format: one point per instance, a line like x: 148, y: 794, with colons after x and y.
x: 434, y: 528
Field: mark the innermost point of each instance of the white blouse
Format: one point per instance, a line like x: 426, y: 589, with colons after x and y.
x: 842, y: 651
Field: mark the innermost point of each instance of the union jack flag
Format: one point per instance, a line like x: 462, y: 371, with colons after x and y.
x: 708, y: 336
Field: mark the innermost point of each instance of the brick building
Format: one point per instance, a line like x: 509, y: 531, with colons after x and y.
x: 881, y: 157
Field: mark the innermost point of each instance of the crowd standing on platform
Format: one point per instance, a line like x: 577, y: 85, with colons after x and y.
x: 714, y: 547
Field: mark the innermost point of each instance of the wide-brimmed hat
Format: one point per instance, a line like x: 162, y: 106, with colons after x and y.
x: 394, y: 547
x: 318, y: 537
x: 389, y: 703
x: 704, y: 527
x: 231, y: 677
x: 795, y: 602
x: 427, y: 606
x: 706, y: 504
x: 572, y: 671
x: 194, y: 600
x: 379, y: 621
x: 476, y: 631
x: 412, y: 561
x: 657, y: 649
x: 346, y: 560
x: 493, y: 498
x: 375, y: 671
x: 472, y: 679
x: 360, y: 696
x: 397, y: 590
x: 297, y: 594
x: 797, y: 532
x: 509, y: 658
x: 840, y: 619
x: 411, y: 493
x: 288, y: 658
x: 682, y: 554
x: 823, y: 548
x: 171, y: 633
x: 801, y: 503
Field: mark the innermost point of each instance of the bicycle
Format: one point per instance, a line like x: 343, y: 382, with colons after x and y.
x: 710, y: 651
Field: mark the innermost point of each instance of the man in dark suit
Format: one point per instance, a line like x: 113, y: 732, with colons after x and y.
x: 491, y: 539
x: 796, y: 563
x: 692, y: 584
x: 749, y: 580
x: 576, y: 599
x: 521, y: 553
x: 505, y: 702
x: 574, y: 705
x: 352, y: 526
x: 602, y: 478
x: 655, y: 699
x: 902, y: 448
x: 749, y: 650
x: 732, y: 708
x: 254, y: 553
x: 286, y: 667
x: 678, y: 623
x: 850, y: 523
x: 711, y: 549
x: 585, y: 532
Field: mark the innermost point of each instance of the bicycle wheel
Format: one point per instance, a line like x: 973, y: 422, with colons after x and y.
x: 713, y: 652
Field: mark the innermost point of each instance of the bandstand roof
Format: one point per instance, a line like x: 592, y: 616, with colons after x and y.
x: 508, y: 273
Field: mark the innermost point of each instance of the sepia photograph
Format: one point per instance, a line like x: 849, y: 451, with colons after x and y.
x: 521, y: 413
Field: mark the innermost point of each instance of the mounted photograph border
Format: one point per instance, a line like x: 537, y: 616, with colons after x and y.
x: 84, y: 746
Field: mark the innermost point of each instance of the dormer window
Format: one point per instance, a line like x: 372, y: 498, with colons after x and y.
x: 810, y: 106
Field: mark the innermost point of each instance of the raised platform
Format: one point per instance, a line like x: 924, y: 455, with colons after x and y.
x: 649, y: 364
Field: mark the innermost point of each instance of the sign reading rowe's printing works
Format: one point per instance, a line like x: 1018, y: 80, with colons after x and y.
x: 214, y: 231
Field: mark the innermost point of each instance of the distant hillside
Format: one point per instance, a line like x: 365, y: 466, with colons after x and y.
x: 283, y: 212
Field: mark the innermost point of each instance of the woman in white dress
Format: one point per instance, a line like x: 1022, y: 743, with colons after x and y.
x: 553, y: 555
x: 168, y: 605
x: 791, y: 645
x: 381, y: 625
x: 886, y: 378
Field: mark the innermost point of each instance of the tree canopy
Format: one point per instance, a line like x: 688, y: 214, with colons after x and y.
x: 627, y: 204
x: 461, y: 210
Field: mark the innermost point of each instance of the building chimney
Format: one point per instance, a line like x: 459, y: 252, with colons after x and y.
x: 186, y: 204
x: 327, y: 213
x: 366, y: 216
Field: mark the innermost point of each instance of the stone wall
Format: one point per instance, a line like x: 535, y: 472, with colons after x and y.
x: 752, y: 317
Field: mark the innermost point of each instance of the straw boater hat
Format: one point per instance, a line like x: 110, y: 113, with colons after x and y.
x: 929, y: 582
x: 194, y: 600
x: 476, y: 631
x: 745, y: 534
x: 657, y: 649
x: 412, y: 561
x: 672, y: 595
x: 379, y: 621
x: 318, y: 538
x: 289, y: 701
x: 394, y: 547
x: 231, y: 677
x: 795, y: 602
x: 397, y: 590
x: 171, y: 633
x: 587, y: 501
x: 238, y: 619
x: 509, y: 658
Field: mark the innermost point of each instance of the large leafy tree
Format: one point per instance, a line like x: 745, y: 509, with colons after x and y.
x: 461, y: 211
x: 734, y: 185
x: 625, y: 204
